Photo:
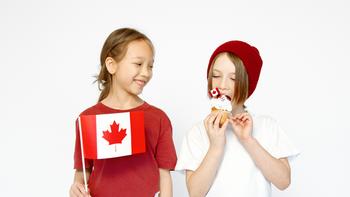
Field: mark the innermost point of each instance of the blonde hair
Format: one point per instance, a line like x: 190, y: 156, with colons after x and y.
x: 241, y: 87
x: 116, y: 46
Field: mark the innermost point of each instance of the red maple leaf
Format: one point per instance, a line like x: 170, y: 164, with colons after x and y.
x: 116, y: 136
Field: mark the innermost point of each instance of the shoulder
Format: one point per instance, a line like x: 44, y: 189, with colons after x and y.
x: 196, y: 140
x: 197, y: 132
x: 156, y: 112
x: 263, y: 120
x: 154, y: 109
x: 157, y: 117
x: 93, y: 110
x: 198, y: 128
x: 265, y: 127
x: 264, y: 123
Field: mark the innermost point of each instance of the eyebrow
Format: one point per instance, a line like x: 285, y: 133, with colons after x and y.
x: 138, y: 57
x: 216, y: 70
x: 141, y: 58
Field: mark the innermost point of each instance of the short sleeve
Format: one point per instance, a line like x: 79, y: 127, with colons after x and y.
x: 165, y: 149
x: 282, y: 146
x: 193, y: 150
x: 78, y: 165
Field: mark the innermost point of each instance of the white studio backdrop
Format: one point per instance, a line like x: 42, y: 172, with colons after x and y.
x: 49, y: 53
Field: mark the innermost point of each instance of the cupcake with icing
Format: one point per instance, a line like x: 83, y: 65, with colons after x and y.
x: 220, y: 102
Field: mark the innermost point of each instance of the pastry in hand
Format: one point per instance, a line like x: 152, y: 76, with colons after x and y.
x: 220, y: 102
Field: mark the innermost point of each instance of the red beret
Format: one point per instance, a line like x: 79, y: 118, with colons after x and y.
x: 248, y: 54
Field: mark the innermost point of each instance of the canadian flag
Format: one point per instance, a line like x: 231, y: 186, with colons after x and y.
x: 215, y: 92
x: 112, y: 135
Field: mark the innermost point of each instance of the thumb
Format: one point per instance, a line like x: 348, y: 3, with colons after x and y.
x: 87, y: 195
x: 223, y: 127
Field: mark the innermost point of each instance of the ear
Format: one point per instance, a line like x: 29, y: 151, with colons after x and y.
x: 111, y: 65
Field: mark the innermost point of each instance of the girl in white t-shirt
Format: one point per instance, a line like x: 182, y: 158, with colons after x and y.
x: 244, y: 155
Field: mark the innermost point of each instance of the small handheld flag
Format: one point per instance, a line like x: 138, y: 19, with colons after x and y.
x: 112, y: 135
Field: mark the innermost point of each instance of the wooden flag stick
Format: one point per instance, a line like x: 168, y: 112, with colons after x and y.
x: 82, y: 155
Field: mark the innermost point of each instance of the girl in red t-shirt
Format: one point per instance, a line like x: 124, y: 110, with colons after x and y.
x: 126, y: 61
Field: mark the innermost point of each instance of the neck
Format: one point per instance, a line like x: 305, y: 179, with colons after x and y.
x: 236, y: 109
x: 120, y: 99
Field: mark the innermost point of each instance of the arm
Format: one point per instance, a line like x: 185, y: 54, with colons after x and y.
x: 277, y: 171
x: 166, y: 187
x: 77, y: 189
x: 199, y: 181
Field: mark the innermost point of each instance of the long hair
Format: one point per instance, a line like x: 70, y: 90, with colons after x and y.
x: 241, y: 81
x: 116, y: 46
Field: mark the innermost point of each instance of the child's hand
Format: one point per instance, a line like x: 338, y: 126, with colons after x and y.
x: 216, y: 134
x: 242, y: 125
x: 78, y: 190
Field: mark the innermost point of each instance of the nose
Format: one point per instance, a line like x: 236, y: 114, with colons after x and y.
x: 146, y: 71
x: 223, y: 83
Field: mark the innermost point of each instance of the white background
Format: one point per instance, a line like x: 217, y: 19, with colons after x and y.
x: 49, y: 53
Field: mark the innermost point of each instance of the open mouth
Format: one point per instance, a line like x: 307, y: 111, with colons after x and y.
x: 229, y: 98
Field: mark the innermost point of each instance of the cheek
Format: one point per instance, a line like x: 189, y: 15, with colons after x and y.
x: 150, y: 71
x: 125, y: 76
x: 214, y: 83
x: 131, y: 72
x: 232, y: 85
x: 233, y: 90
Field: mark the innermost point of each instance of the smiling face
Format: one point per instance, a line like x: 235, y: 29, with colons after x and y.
x: 134, y: 71
x: 228, y: 74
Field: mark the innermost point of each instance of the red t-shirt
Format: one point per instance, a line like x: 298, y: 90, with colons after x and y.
x: 136, y: 175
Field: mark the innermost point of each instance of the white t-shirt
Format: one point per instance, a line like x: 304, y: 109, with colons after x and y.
x: 237, y: 174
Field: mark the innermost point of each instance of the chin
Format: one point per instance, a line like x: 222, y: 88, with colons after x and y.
x: 135, y: 92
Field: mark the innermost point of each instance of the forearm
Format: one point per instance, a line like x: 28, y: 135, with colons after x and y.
x: 166, y: 187
x: 79, y: 176
x: 78, y: 188
x: 274, y: 170
x: 200, y: 181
